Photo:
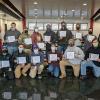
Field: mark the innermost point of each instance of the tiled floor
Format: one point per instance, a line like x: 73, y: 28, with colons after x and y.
x: 50, y: 89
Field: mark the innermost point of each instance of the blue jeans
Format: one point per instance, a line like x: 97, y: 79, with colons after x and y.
x: 54, y: 70
x: 12, y: 49
x: 62, y: 48
x: 85, y: 64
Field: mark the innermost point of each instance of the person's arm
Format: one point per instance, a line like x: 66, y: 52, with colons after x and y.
x: 81, y: 54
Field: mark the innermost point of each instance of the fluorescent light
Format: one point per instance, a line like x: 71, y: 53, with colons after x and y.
x: 35, y: 3
x: 84, y: 4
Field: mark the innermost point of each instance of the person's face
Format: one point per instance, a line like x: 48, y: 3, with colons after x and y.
x: 53, y: 48
x: 95, y: 43
x: 77, y: 27
x: 63, y: 25
x: 48, y: 27
x: 71, y: 43
x: 90, y: 31
x: 13, y: 27
x: 36, y: 30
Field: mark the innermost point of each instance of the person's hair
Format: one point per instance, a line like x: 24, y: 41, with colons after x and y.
x: 13, y: 23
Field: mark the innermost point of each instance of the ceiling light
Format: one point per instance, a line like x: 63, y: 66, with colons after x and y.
x: 84, y: 4
x: 35, y: 3
x: 73, y: 10
x: 35, y: 9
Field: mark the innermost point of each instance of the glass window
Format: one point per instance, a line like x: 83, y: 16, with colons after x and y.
x: 31, y: 26
x: 84, y: 26
x: 54, y: 26
x: 40, y: 26
x: 70, y: 26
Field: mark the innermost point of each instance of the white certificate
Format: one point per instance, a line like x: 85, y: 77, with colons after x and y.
x: 90, y: 38
x: 78, y: 35
x: 35, y: 59
x: 47, y: 38
x: 70, y: 55
x: 41, y: 45
x: 93, y: 56
x: 21, y: 60
x: 53, y: 57
x: 11, y: 39
x: 28, y: 41
x: 62, y: 33
x: 5, y: 64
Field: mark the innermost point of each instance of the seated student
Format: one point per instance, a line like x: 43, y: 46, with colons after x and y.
x: 37, y: 60
x: 5, y: 61
x: 54, y: 58
x: 22, y: 61
x: 92, y: 59
x: 72, y: 56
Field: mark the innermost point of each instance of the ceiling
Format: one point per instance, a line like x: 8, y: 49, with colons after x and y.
x: 54, y: 8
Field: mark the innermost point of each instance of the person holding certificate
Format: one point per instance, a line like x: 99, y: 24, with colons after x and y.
x: 78, y: 36
x: 48, y: 37
x: 87, y: 39
x: 26, y: 40
x: 5, y: 61
x: 36, y: 36
x: 54, y: 58
x: 21, y: 61
x: 37, y: 62
x: 64, y: 35
x: 11, y: 38
x: 92, y: 59
x: 73, y: 57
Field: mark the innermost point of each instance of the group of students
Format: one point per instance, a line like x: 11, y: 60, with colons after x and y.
x: 29, y: 54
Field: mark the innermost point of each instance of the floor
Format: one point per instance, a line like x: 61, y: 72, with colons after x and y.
x: 50, y: 89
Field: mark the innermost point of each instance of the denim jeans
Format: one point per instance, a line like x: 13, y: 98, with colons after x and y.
x: 62, y: 48
x: 85, y: 64
x: 12, y: 49
x: 54, y: 70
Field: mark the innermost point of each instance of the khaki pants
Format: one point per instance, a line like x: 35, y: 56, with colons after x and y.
x: 36, y: 70
x: 76, y: 68
x: 21, y: 70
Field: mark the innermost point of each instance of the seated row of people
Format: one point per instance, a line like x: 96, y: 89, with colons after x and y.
x: 56, y: 61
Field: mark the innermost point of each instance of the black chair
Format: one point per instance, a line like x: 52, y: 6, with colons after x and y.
x: 69, y: 72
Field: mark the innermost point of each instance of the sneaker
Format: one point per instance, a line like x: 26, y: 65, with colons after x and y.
x: 62, y: 76
x: 39, y: 76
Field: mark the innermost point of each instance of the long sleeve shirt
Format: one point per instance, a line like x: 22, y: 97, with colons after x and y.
x: 79, y: 55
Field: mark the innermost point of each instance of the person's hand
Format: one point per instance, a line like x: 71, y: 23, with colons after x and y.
x: 88, y: 59
x: 98, y: 60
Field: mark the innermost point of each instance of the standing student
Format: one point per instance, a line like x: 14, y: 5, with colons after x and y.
x: 87, y: 39
x: 54, y: 58
x: 26, y: 40
x: 36, y: 36
x: 64, y: 36
x: 37, y: 62
x: 11, y: 38
x: 78, y: 36
x: 50, y: 34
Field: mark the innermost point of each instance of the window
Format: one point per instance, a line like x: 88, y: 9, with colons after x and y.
x: 84, y: 26
x: 31, y: 26
x: 70, y: 26
x: 40, y: 26
x: 54, y: 26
